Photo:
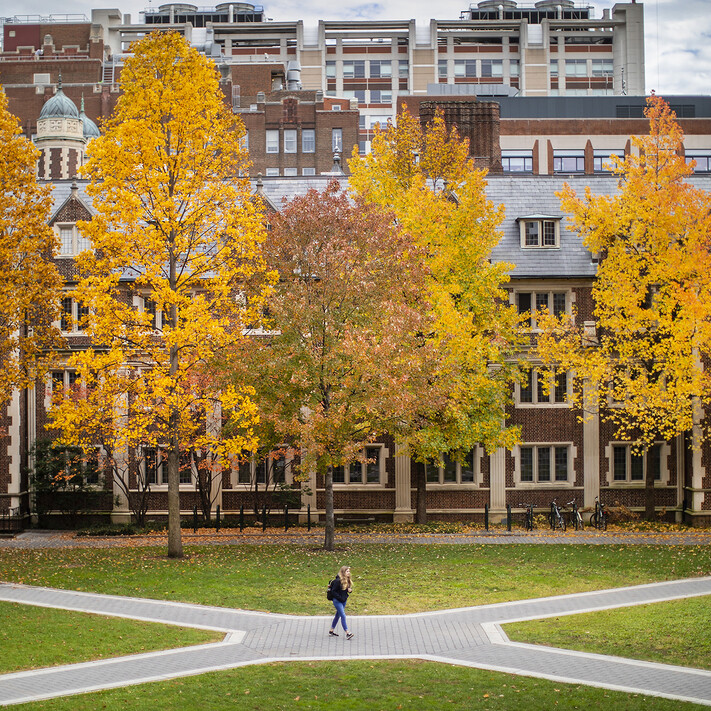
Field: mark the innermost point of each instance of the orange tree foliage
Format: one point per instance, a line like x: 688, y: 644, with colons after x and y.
x: 643, y: 368
x: 176, y: 239
x: 427, y: 178
x: 29, y: 281
x: 340, y: 361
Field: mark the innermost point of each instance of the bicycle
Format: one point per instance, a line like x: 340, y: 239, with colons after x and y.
x: 575, y: 517
x: 528, y: 516
x: 556, y: 517
x: 599, y: 516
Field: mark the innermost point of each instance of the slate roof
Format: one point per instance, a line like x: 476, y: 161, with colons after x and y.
x: 521, y: 195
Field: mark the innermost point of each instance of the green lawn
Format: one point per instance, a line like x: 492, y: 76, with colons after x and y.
x: 675, y: 632
x: 358, y: 686
x: 32, y: 637
x: 389, y: 578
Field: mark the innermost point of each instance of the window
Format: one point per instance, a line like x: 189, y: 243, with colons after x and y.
x: 702, y: 158
x: 543, y: 388
x: 517, y: 161
x: 543, y: 464
x: 289, y: 140
x: 272, y: 172
x: 380, y: 68
x: 155, y: 465
x: 356, y: 94
x: 465, y: 67
x: 371, y: 471
x: 330, y: 70
x: 442, y: 68
x: 308, y: 140
x: 150, y: 307
x: 244, y: 141
x: 569, y: 161
x: 601, y: 67
x: 337, y: 139
x: 354, y: 69
x: 576, y: 67
x: 62, y: 381
x: 602, y: 162
x: 404, y: 68
x: 492, y: 68
x: 528, y: 302
x: 71, y: 242
x: 74, y: 315
x: 554, y: 67
x: 272, y: 141
x: 236, y: 97
x: 271, y: 470
x: 513, y: 67
x: 447, y: 470
x: 381, y: 97
x: 290, y: 172
x: 308, y: 171
x: 630, y: 465
x: 540, y: 232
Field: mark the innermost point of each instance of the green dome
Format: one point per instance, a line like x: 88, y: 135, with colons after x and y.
x: 59, y: 106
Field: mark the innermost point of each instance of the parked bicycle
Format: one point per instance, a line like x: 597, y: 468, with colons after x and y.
x: 556, y: 517
x: 599, y: 516
x: 575, y: 517
x: 528, y: 516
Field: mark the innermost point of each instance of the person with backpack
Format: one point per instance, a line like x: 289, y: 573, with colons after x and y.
x: 338, y: 591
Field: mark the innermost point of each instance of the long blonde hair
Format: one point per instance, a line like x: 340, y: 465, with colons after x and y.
x: 344, y: 576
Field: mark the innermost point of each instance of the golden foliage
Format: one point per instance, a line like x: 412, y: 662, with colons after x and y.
x: 29, y: 281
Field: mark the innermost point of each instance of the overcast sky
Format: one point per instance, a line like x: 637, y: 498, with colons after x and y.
x: 677, y: 32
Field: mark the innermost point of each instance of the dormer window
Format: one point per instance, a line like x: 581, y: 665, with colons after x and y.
x: 539, y: 231
x: 71, y: 241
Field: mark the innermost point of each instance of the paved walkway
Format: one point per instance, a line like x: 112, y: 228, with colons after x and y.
x: 470, y: 636
x: 62, y: 539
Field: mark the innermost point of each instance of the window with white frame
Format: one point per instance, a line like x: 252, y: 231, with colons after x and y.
x: 539, y: 231
x: 291, y: 172
x: 147, y: 306
x: 155, y: 466
x: 74, y: 315
x: 381, y: 68
x: 629, y: 464
x: 554, y: 67
x: 517, y: 161
x: 289, y: 140
x: 449, y: 469
x: 272, y: 140
x: 465, y: 67
x: 576, y: 67
x: 378, y: 96
x: 602, y: 160
x: 355, y: 94
x: 543, y: 387
x: 272, y: 470
x: 370, y: 471
x: 702, y: 159
x: 514, y: 67
x: 272, y: 172
x: 602, y: 67
x: 543, y: 463
x: 337, y: 139
x: 354, y: 69
x: 569, y: 161
x: 71, y: 242
x: 403, y: 66
x: 530, y: 303
x: 308, y: 140
x: 330, y: 70
x: 308, y: 171
x: 442, y: 68
x: 492, y: 68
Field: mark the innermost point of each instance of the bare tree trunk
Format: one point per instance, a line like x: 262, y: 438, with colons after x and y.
x: 421, y: 496
x: 330, y: 534
x: 649, y: 508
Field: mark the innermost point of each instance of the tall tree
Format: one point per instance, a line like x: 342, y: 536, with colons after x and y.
x: 176, y: 239
x: 29, y: 282
x: 336, y: 368
x: 643, y: 369
x: 427, y: 178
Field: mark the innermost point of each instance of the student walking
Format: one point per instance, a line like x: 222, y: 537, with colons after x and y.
x: 341, y: 588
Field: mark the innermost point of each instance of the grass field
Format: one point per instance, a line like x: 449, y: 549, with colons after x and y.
x: 389, y: 578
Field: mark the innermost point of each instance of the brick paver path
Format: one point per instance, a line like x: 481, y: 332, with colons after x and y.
x: 470, y: 636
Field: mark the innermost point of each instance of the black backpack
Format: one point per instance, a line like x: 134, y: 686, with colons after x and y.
x: 329, y: 590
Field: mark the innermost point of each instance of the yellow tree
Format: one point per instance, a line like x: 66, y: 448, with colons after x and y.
x: 643, y: 369
x: 29, y: 281
x: 175, y: 271
x: 427, y: 178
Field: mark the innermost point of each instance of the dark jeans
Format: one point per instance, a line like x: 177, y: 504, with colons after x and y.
x: 340, y: 615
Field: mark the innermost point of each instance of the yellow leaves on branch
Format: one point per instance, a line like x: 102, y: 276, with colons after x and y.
x: 29, y: 282
x: 652, y: 294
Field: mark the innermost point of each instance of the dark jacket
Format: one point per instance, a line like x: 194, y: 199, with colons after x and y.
x: 338, y: 593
